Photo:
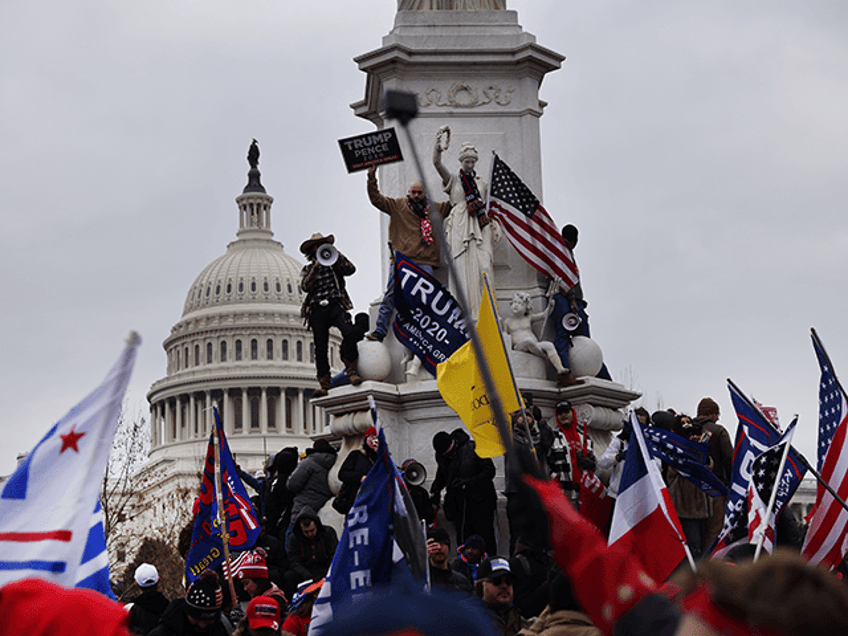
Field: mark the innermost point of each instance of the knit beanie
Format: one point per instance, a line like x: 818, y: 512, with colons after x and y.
x: 368, y: 432
x: 250, y: 565
x: 707, y: 406
x: 205, y: 597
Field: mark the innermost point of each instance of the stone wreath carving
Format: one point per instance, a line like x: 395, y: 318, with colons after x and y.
x: 464, y: 95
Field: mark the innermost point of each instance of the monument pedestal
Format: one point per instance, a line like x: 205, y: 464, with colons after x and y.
x: 480, y: 73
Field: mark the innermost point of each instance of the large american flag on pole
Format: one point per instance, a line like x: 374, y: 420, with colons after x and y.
x: 825, y: 540
x: 529, y: 228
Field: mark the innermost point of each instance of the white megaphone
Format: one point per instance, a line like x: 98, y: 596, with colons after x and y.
x: 326, y: 255
x: 571, y: 321
x: 413, y: 472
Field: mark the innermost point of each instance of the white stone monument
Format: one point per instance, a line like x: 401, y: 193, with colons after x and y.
x: 479, y: 72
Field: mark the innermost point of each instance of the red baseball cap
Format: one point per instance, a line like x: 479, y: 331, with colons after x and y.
x: 263, y: 611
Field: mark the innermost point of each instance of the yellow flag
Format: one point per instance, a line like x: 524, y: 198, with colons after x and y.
x: 461, y: 383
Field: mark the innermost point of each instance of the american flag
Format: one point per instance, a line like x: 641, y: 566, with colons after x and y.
x: 825, y: 539
x: 754, y: 435
x: 763, y: 475
x: 687, y: 457
x: 529, y: 228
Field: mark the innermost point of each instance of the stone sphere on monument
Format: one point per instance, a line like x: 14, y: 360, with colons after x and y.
x: 586, y: 357
x: 374, y: 362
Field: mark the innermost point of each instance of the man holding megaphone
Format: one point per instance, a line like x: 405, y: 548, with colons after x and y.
x: 327, y: 305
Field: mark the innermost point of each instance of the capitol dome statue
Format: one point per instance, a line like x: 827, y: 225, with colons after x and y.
x: 241, y: 345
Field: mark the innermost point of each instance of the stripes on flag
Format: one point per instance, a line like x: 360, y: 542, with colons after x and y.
x: 528, y: 226
x: 825, y: 540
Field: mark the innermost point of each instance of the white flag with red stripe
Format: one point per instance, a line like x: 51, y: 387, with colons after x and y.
x: 645, y: 521
x: 529, y: 228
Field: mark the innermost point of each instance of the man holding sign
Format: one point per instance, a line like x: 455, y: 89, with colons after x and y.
x: 410, y: 233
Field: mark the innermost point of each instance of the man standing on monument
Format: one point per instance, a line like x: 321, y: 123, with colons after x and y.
x: 470, y: 231
x: 410, y: 233
x: 571, y: 302
x: 326, y: 305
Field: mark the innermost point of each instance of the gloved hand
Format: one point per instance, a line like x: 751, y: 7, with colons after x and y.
x: 586, y: 463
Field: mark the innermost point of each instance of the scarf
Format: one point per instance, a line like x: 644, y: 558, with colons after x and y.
x: 472, y: 194
x: 422, y: 210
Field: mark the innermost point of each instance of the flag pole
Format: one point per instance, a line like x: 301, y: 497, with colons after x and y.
x: 773, y: 497
x: 827, y: 358
x: 511, y: 372
x: 447, y: 261
x: 222, y: 517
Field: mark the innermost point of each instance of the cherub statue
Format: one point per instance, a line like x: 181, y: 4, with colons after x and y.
x: 519, y: 325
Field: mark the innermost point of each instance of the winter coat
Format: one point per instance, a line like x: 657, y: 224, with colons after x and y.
x: 405, y: 225
x: 561, y: 623
x: 468, y: 479
x: 689, y: 501
x: 614, y: 466
x: 508, y: 623
x: 721, y: 450
x: 146, y: 610
x: 309, y: 484
x: 175, y: 623
x: 450, y: 579
x: 279, y: 499
x: 311, y: 558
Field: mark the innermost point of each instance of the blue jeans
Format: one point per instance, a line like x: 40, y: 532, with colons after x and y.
x: 387, y: 307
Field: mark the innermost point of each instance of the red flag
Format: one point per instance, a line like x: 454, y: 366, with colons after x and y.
x: 595, y: 502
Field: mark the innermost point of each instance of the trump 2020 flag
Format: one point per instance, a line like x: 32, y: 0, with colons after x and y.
x: 368, y: 554
x: 429, y: 321
x: 644, y: 520
x: 462, y: 388
x: 207, y: 546
x: 754, y: 436
x: 51, y: 525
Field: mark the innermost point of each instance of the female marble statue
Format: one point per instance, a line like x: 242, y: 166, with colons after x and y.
x: 470, y: 230
x: 451, y: 5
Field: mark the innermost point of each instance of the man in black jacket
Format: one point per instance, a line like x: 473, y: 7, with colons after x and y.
x: 310, y: 548
x: 149, y: 606
x: 470, y: 497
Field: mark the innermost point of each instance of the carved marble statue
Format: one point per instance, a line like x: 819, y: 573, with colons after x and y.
x: 519, y: 325
x: 470, y: 231
x: 451, y: 5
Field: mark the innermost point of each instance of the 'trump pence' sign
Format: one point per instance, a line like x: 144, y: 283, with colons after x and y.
x: 371, y: 149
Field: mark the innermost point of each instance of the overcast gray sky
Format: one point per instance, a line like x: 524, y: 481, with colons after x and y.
x: 700, y: 147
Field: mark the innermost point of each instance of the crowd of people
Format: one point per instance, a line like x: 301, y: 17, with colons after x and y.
x: 535, y: 586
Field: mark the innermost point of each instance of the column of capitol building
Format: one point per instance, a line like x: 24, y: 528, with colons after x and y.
x: 241, y: 345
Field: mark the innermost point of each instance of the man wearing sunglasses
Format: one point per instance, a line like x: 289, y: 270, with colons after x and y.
x: 495, y: 586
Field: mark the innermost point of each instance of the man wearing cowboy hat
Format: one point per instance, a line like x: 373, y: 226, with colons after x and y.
x: 326, y: 305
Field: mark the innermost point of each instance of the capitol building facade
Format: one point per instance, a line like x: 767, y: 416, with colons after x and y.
x: 241, y: 345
